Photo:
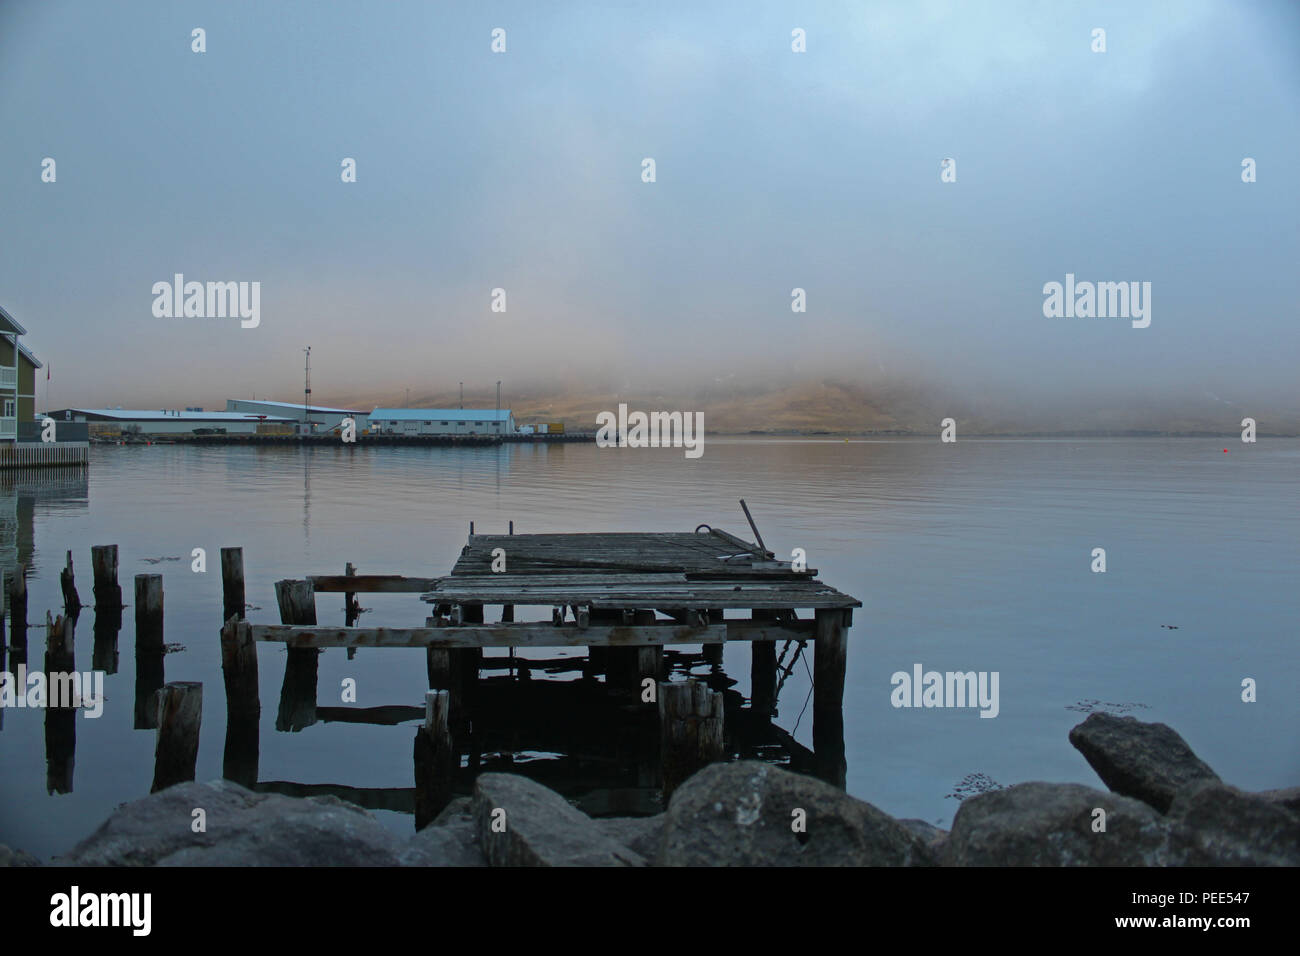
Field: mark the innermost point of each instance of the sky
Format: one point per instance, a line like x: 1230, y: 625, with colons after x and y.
x: 775, y: 170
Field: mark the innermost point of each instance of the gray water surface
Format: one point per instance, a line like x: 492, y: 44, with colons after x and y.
x: 967, y: 556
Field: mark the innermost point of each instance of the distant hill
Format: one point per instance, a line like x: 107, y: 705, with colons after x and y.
x: 837, y: 407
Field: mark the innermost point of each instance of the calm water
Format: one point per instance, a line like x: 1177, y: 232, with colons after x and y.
x: 973, y: 556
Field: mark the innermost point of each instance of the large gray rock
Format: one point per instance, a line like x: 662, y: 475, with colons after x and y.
x: 741, y: 814
x: 1138, y: 759
x: 1288, y: 798
x: 244, y: 829
x: 1218, y: 825
x: 539, y: 827
x: 10, y: 857
x: 1051, y: 824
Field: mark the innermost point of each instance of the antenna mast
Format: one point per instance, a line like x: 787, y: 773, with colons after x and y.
x: 306, y: 390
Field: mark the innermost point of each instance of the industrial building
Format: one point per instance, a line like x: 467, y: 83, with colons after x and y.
x: 113, y: 422
x: 323, y: 419
x: 442, y: 421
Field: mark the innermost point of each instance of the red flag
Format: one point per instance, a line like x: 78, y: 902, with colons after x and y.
x: 47, y: 373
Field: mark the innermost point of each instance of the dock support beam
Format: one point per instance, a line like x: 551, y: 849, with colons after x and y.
x: 762, y: 672
x: 830, y: 650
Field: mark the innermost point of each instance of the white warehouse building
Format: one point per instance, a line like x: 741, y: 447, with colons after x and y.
x: 323, y: 418
x: 442, y: 421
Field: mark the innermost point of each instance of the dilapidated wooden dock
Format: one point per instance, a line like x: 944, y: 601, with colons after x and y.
x: 625, y: 597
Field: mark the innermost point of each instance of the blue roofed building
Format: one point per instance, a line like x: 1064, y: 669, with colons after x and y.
x: 442, y: 421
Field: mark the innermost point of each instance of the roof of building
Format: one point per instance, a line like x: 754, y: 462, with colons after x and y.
x: 160, y: 415
x: 23, y: 351
x: 10, y: 320
x: 296, y: 406
x: 449, y: 414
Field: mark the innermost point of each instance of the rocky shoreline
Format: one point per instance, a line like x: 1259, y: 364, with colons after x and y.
x: 1164, y: 807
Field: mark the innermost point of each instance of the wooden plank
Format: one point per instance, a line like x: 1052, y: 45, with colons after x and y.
x: 369, y: 583
x: 487, y: 635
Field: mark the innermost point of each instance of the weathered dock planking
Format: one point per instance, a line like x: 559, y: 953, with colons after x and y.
x: 624, y: 595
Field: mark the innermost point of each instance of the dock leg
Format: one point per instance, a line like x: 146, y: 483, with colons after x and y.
x: 762, y: 672
x: 830, y: 649
x: 713, y: 652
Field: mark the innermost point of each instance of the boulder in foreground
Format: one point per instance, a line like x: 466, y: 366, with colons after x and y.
x: 754, y: 814
x: 1052, y: 824
x: 1147, y: 761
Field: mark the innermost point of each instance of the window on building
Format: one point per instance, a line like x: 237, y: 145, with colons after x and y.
x: 446, y: 423
x: 10, y: 411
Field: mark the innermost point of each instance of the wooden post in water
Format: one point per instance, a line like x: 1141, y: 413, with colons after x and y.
x: 297, y: 600
x: 762, y: 671
x: 148, y: 648
x: 243, y: 705
x: 108, y: 607
x: 180, y: 713
x: 351, y: 607
x: 435, y: 759
x: 713, y: 652
x: 103, y: 566
x: 233, y: 601
x: 830, y: 651
x: 18, y: 613
x: 68, y: 582
x: 60, y: 712
x: 690, y: 730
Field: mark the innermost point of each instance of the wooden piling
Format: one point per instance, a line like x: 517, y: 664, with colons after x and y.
x: 830, y: 651
x: 297, y: 601
x: 180, y: 714
x: 762, y: 671
x: 149, y: 611
x: 233, y: 601
x: 690, y: 730
x: 18, y: 613
x: 149, y: 668
x: 243, y: 706
x: 435, y: 759
x: 713, y: 652
x: 61, y: 720
x: 103, y: 566
x: 68, y: 582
